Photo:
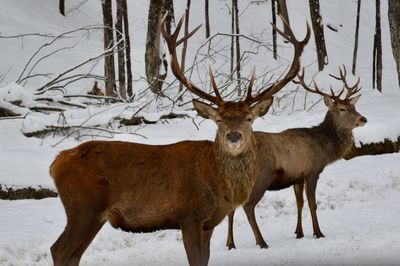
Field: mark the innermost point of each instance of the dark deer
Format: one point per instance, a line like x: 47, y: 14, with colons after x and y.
x: 189, y: 185
x: 96, y: 90
x: 298, y: 156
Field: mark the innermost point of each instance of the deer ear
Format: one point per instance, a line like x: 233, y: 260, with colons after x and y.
x: 205, y: 110
x: 355, y: 99
x: 328, y: 101
x: 261, y: 108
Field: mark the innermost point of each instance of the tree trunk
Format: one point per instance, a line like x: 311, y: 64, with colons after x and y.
x: 377, y: 53
x: 183, y: 58
x: 129, y: 88
x: 121, y: 53
x: 153, y: 59
x: 109, y: 68
x: 232, y: 39
x: 237, y: 32
x: 353, y: 69
x: 318, y: 28
x: 169, y: 7
x: 207, y: 18
x: 274, y: 44
x: 394, y: 24
x: 61, y: 7
x: 283, y: 11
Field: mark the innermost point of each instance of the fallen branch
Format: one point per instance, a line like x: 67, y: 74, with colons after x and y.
x: 386, y: 146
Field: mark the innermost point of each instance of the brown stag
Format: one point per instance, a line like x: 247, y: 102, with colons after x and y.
x: 298, y: 156
x: 189, y: 185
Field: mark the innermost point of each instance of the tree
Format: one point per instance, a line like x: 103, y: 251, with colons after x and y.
x: 153, y: 60
x: 318, y: 29
x: 129, y: 89
x: 283, y: 11
x: 207, y: 16
x: 61, y: 7
x: 377, y: 52
x: 109, y: 68
x: 274, y: 44
x: 236, y: 32
x: 353, y: 69
x: 183, y: 59
x: 121, y: 53
x: 394, y: 24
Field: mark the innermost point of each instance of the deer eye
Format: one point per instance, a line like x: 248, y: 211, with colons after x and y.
x: 249, y: 119
x: 219, y: 121
x: 342, y: 109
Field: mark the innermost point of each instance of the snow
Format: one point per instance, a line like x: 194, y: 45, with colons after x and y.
x: 357, y: 199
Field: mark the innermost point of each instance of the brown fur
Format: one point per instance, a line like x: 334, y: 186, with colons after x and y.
x: 96, y: 90
x: 297, y: 157
x: 189, y: 185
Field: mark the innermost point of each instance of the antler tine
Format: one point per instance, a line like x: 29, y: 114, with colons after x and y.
x: 213, y: 83
x: 351, y: 90
x: 172, y: 43
x: 306, y: 87
x: 294, y: 68
x: 250, y: 87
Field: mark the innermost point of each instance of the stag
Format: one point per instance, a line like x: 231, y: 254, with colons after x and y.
x: 189, y: 185
x: 298, y: 156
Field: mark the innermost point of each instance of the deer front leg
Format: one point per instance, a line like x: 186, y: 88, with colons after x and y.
x: 298, y: 191
x: 205, y: 248
x: 249, y: 210
x: 230, y: 243
x: 311, y: 185
x: 192, y: 236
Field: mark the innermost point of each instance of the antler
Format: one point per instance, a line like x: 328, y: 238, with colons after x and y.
x: 294, y: 68
x: 335, y: 97
x: 350, y: 90
x: 172, y: 43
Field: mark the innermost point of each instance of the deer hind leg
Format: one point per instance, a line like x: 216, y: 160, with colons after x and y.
x: 78, y: 234
x: 230, y: 243
x: 311, y: 185
x: 205, y: 245
x: 298, y: 191
x: 192, y: 238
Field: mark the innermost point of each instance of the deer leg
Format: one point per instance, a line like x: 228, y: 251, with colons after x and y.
x: 205, y: 248
x: 77, y: 235
x: 298, y: 191
x: 76, y: 256
x: 249, y: 210
x: 230, y: 243
x: 258, y: 191
x: 192, y: 237
x: 311, y: 186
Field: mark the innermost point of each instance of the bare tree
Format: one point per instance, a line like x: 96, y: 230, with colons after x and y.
x: 61, y: 7
x: 183, y: 59
x: 235, y: 16
x: 121, y: 51
x: 394, y: 24
x: 377, y: 52
x: 169, y: 7
x: 207, y: 16
x: 129, y: 89
x: 153, y: 60
x: 318, y: 29
x: 109, y: 68
x: 274, y: 44
x: 283, y: 11
x: 353, y: 69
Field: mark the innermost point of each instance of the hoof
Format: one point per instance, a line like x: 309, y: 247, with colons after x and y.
x: 319, y: 235
x: 299, y: 235
x: 231, y: 246
x: 263, y: 245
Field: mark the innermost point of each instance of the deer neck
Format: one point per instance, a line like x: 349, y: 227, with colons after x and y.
x: 236, y: 172
x: 341, y: 138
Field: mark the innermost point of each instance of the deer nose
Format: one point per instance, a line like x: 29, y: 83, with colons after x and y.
x: 363, y: 119
x: 234, y: 136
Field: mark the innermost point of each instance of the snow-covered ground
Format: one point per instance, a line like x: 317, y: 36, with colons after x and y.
x: 358, y: 199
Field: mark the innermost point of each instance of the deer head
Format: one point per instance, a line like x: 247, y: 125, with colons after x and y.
x: 343, y: 111
x: 234, y: 119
